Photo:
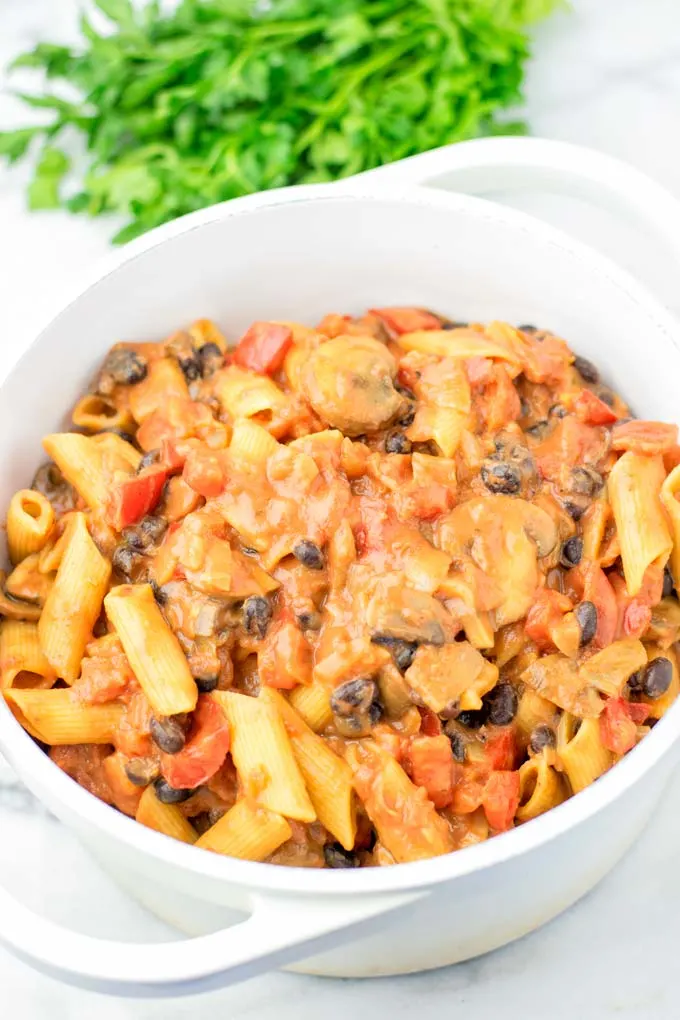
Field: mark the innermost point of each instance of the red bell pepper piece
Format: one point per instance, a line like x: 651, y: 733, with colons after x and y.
x: 430, y: 723
x: 593, y: 411
x: 618, y: 724
x: 204, y: 472
x: 135, y: 497
x: 430, y: 765
x: 501, y: 799
x: 406, y: 320
x: 263, y: 347
x: 500, y: 749
x: 205, y: 750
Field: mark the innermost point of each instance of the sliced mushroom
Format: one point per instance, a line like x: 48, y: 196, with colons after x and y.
x: 394, y: 610
x: 503, y: 537
x: 349, y: 383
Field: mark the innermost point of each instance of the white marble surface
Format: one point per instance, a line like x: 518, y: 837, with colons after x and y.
x: 606, y: 74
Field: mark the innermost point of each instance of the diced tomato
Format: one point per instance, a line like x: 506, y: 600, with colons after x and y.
x: 636, y: 619
x: 598, y: 590
x: 501, y: 799
x: 429, y: 762
x: 469, y: 785
x: 618, y: 727
x: 135, y: 497
x: 635, y: 613
x: 334, y: 325
x: 570, y: 443
x: 638, y: 711
x: 547, y: 612
x: 646, y: 437
x: 593, y: 411
x: 284, y: 659
x: 174, y: 452
x: 263, y: 347
x: 499, y: 400
x: 406, y: 320
x: 204, y: 472
x: 500, y: 749
x: 430, y: 723
x: 428, y: 501
x: 205, y: 750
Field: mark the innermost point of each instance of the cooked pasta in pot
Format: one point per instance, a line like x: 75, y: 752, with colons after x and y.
x: 348, y: 595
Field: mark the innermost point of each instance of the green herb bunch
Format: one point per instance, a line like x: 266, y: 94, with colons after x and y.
x: 213, y: 99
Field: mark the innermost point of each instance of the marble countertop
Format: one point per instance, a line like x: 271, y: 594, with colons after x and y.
x: 606, y: 73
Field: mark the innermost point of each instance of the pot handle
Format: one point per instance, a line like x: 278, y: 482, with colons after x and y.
x: 279, y: 931
x: 518, y: 164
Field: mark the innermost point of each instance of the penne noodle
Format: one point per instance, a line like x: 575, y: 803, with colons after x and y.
x: 81, y: 463
x: 164, y: 818
x: 30, y: 519
x: 669, y: 498
x: 247, y: 831
x: 540, y: 788
x: 22, y: 660
x: 153, y: 651
x: 28, y: 582
x: 251, y: 443
x: 658, y: 706
x: 243, y: 393
x: 313, y: 704
x: 634, y: 487
x: 327, y: 776
x: 456, y: 343
x: 263, y: 756
x: 580, y: 752
x: 59, y: 717
x: 118, y: 447
x: 164, y: 379
x: 74, y: 602
x: 95, y: 413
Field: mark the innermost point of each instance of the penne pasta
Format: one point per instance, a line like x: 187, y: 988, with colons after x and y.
x: 164, y: 818
x: 118, y: 447
x: 634, y: 487
x: 580, y: 752
x: 669, y: 498
x: 28, y: 582
x: 74, y: 602
x: 95, y: 413
x: 247, y: 831
x: 263, y: 756
x: 313, y: 704
x: 164, y: 379
x: 250, y: 443
x: 30, y: 519
x: 22, y: 660
x: 540, y: 788
x: 154, y: 652
x: 59, y: 717
x: 243, y: 393
x: 81, y: 463
x: 327, y: 776
x: 455, y: 343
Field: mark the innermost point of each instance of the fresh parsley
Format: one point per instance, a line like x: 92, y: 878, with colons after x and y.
x: 218, y: 98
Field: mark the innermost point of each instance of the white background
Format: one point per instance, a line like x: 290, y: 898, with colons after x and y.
x: 605, y: 74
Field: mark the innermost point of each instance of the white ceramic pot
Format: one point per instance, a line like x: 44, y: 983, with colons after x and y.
x: 384, y: 238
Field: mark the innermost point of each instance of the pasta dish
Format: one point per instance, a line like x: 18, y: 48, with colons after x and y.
x: 352, y: 595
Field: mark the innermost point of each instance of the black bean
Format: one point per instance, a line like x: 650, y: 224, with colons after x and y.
x: 309, y: 555
x: 406, y: 418
x: 336, y: 856
x: 457, y: 746
x: 501, y: 704
x: 404, y: 391
x: 585, y: 480
x: 453, y: 324
x: 159, y: 593
x: 575, y: 510
x: 132, y: 537
x: 355, y: 706
x: 501, y: 477
x: 572, y: 550
x: 403, y: 651
x: 396, y: 442
x: 126, y: 560
x: 248, y: 550
x: 125, y: 366
x: 656, y: 677
x: 472, y: 718
x: 49, y: 480
x: 542, y: 736
x: 668, y: 583
x: 606, y: 396
x: 167, y: 733
x: 206, y: 684
x: 586, y: 370
x: 168, y: 794
x: 526, y: 327
x: 257, y: 614
x: 148, y: 460
x: 210, y: 358
x: 141, y: 771
x: 586, y: 614
x: 152, y: 529
x: 557, y: 411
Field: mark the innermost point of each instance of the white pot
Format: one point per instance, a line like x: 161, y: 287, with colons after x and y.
x: 383, y: 238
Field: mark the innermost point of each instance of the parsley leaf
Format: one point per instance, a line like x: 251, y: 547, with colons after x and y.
x: 213, y: 99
